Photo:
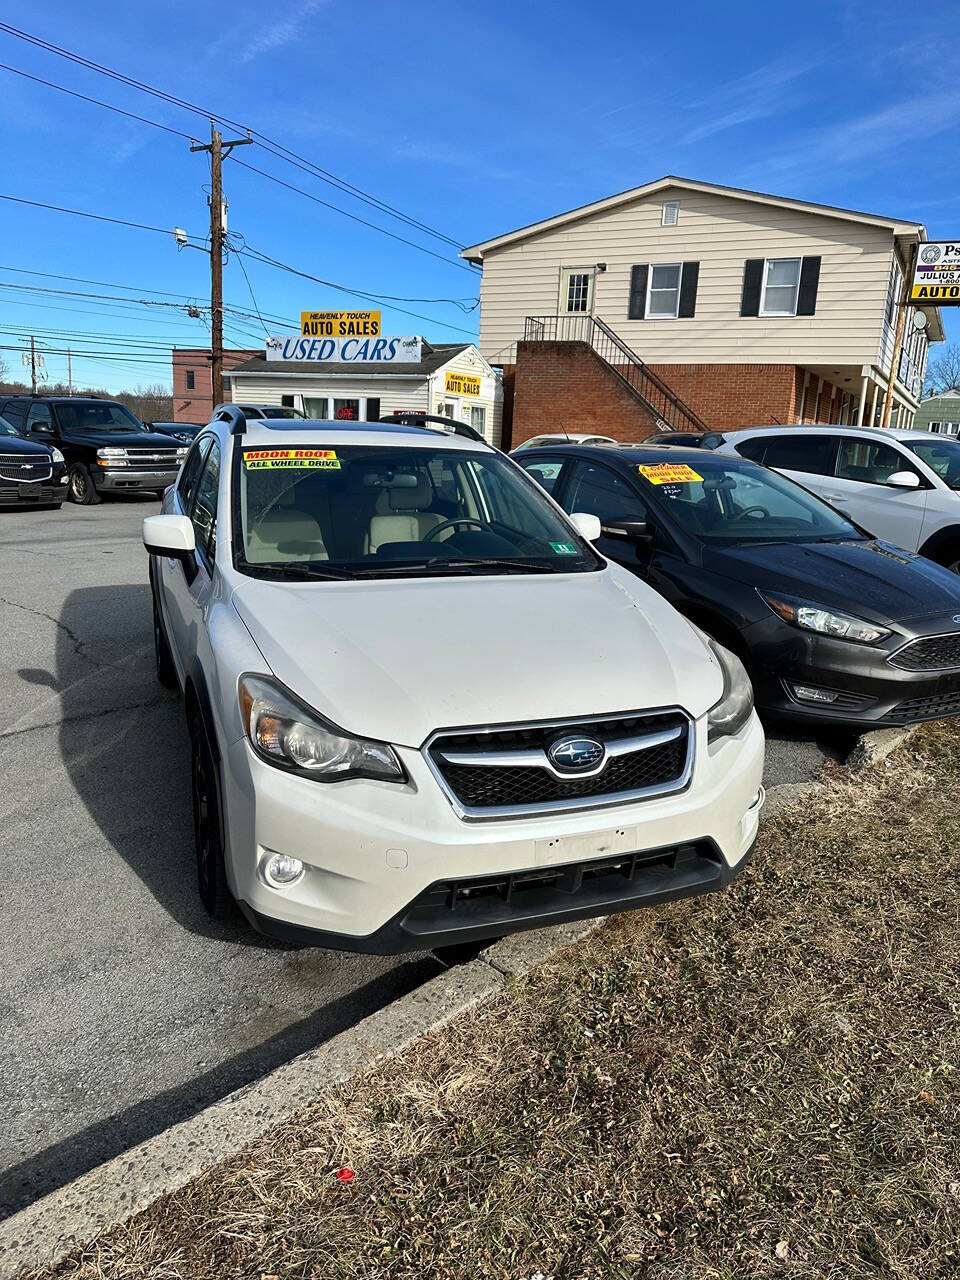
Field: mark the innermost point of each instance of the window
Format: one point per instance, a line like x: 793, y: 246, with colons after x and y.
x: 811, y: 452
x: 578, y: 291
x: 190, y: 378
x: 478, y: 417
x: 600, y: 492
x: 316, y: 406
x: 204, y: 514
x: 288, y: 402
x: 546, y: 472
x: 781, y: 286
x: 670, y: 213
x: 663, y: 290
x: 187, y: 484
x: 15, y: 413
x: 893, y: 292
x: 372, y: 410
x: 752, y: 450
x: 346, y: 410
x: 942, y: 456
x: 869, y: 462
x: 39, y: 419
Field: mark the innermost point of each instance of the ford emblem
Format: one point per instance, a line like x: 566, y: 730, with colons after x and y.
x: 576, y: 753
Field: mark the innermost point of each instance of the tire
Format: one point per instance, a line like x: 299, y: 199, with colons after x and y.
x: 211, y: 870
x: 166, y: 672
x: 80, y: 487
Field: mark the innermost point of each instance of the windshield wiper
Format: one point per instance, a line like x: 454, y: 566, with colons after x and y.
x: 439, y: 565
x: 298, y: 570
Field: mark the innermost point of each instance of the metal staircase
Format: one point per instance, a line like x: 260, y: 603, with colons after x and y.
x: 671, y: 412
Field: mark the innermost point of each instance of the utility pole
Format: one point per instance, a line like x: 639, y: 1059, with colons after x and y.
x: 909, y: 267
x: 33, y: 365
x: 69, y: 372
x: 219, y: 150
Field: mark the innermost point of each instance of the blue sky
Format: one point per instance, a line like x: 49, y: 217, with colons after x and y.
x: 472, y: 118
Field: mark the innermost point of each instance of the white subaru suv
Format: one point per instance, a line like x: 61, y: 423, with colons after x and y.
x: 423, y: 708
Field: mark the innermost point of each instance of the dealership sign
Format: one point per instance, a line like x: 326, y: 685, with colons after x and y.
x: 936, y: 278
x: 461, y: 384
x: 345, y: 350
x: 340, y: 324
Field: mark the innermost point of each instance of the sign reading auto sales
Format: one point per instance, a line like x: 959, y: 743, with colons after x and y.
x: 937, y: 276
x: 345, y: 350
x: 340, y: 324
x: 461, y: 384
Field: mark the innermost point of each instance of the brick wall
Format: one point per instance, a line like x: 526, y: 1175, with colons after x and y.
x: 736, y: 395
x: 565, y: 386
x: 196, y: 404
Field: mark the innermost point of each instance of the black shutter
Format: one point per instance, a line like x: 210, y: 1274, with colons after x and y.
x: 809, y: 279
x: 638, y: 292
x: 689, y: 275
x: 752, y: 284
x: 373, y: 408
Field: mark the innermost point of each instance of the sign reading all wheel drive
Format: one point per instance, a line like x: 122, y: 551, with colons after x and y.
x: 937, y: 276
x: 340, y: 324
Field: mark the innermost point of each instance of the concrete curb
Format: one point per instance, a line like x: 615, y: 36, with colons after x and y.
x: 41, y: 1234
x: 109, y: 1195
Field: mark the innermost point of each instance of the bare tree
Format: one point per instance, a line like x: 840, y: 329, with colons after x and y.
x: 943, y: 370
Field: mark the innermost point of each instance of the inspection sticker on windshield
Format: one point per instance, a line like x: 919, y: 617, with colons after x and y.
x: 669, y: 473
x: 291, y: 459
x: 564, y: 548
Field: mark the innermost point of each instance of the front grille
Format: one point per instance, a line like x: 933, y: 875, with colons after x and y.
x: 166, y: 458
x: 24, y: 467
x: 931, y: 653
x: 475, y: 769
x: 931, y: 708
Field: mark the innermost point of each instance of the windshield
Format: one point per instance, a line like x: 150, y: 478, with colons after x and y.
x: 95, y: 415
x: 369, y: 511
x: 723, y: 501
x: 7, y: 428
x: 942, y: 456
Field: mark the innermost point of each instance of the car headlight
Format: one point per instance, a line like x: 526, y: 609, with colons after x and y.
x: 732, y: 712
x: 56, y: 455
x: 289, y: 735
x: 111, y: 452
x: 826, y: 622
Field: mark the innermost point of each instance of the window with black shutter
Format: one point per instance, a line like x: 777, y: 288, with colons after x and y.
x: 688, y: 290
x: 809, y: 281
x: 373, y: 408
x: 752, y: 286
x: 638, y: 291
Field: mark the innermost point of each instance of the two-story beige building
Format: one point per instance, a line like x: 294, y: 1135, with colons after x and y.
x: 688, y: 303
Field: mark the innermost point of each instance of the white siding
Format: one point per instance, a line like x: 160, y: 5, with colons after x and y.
x: 490, y: 398
x: 394, y: 393
x: 720, y: 232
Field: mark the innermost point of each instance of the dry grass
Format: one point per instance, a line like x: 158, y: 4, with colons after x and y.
x: 762, y: 1083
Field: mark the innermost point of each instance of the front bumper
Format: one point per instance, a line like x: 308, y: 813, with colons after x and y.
x: 870, y: 691
x: 25, y: 493
x: 118, y: 479
x: 382, y: 859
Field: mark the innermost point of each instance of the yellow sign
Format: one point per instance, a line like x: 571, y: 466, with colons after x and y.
x: 461, y: 384
x: 669, y: 473
x: 291, y: 459
x: 936, y: 279
x: 340, y: 324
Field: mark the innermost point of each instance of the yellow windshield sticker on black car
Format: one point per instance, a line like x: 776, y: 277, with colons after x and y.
x: 291, y: 459
x: 669, y: 473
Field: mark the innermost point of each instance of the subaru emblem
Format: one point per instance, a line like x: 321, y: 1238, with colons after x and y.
x: 576, y: 753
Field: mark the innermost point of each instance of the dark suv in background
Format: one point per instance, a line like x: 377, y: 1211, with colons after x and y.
x: 107, y: 449
x: 30, y: 474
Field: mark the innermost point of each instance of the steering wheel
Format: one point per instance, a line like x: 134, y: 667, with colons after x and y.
x: 748, y: 511
x: 452, y: 524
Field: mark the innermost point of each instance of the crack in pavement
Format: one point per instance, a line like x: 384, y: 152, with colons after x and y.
x: 78, y: 644
x: 84, y: 715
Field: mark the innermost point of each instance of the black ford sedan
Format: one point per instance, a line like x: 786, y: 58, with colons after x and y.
x: 832, y: 623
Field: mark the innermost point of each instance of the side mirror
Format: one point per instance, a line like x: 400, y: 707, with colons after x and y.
x: 169, y: 536
x: 586, y: 525
x: 41, y: 428
x: 634, y: 530
x: 903, y: 480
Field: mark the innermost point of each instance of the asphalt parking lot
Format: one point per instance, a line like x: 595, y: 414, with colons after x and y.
x: 125, y: 1009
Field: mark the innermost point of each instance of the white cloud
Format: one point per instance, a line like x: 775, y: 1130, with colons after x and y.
x: 279, y: 34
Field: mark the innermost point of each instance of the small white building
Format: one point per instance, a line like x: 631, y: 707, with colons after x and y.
x: 451, y: 379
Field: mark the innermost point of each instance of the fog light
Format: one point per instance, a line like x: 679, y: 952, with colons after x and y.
x: 279, y: 870
x: 807, y: 693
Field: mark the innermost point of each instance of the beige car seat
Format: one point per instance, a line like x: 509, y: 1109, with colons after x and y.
x: 399, y: 516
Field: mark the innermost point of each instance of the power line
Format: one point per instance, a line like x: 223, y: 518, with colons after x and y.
x: 270, y: 144
x: 97, y: 217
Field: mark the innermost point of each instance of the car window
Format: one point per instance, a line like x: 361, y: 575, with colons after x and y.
x: 186, y: 485
x: 869, y: 461
x: 7, y: 428
x: 598, y: 491
x: 96, y: 415
x: 812, y: 452
x: 204, y: 513
x: 753, y: 449
x: 39, y: 417
x: 942, y: 456
x: 15, y: 413
x: 546, y: 471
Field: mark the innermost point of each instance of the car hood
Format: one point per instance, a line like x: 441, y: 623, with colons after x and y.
x: 873, y: 580
x: 124, y: 439
x: 19, y: 444
x: 396, y: 660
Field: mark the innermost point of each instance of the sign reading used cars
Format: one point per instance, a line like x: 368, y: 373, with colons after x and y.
x: 461, y: 384
x: 936, y: 278
x: 340, y: 324
x: 345, y: 350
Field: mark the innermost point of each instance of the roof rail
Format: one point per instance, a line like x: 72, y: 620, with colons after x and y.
x: 230, y: 413
x: 412, y: 418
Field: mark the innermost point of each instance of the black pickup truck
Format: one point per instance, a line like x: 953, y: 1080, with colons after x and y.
x: 106, y: 448
x: 31, y: 475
